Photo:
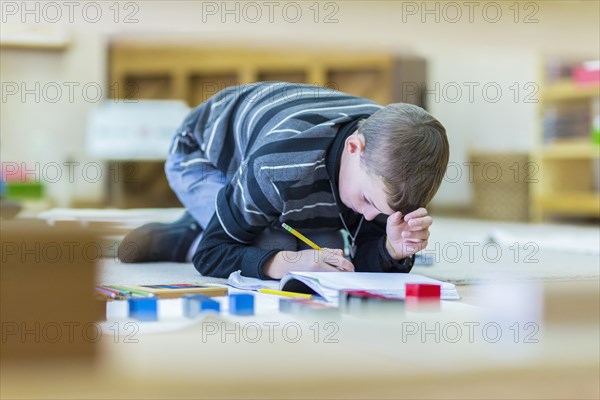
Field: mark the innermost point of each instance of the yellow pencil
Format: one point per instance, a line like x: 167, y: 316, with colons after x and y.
x: 300, y: 236
x: 307, y: 241
x: 286, y: 294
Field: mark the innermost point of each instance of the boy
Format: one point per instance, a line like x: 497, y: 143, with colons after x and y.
x: 255, y: 156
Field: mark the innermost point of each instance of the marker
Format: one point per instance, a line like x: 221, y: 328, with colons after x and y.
x: 286, y: 294
x: 102, y: 288
x: 106, y: 293
x: 307, y: 241
x: 119, y: 294
x: 133, y: 291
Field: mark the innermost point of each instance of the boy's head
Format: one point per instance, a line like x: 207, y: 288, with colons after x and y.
x: 395, y: 161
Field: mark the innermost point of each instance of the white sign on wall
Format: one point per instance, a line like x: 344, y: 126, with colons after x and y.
x: 140, y: 130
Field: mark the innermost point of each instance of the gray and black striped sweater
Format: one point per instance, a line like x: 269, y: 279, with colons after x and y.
x: 279, y: 144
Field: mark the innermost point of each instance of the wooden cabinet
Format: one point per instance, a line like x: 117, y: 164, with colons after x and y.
x: 194, y: 74
x: 568, y: 161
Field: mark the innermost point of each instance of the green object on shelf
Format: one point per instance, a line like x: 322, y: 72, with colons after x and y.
x: 596, y: 123
x: 24, y: 190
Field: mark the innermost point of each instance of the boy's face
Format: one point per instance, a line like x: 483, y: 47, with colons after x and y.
x: 360, y: 191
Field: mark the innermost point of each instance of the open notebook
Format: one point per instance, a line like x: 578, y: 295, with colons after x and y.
x: 327, y: 284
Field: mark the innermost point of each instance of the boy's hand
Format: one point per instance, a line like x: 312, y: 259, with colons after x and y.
x: 409, y: 235
x: 326, y: 260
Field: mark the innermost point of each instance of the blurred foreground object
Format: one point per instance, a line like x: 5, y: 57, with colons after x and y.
x: 8, y: 209
x: 48, y: 311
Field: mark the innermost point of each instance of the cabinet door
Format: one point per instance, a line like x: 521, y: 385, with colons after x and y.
x: 147, y: 87
x: 202, y: 86
x: 370, y: 83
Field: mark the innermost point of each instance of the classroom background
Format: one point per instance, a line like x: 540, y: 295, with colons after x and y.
x: 500, y: 78
x: 93, y: 91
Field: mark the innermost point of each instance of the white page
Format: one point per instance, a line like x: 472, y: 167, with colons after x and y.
x: 328, y: 283
x: 237, y: 280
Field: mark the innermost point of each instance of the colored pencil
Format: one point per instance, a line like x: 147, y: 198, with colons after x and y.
x: 286, y: 294
x: 115, y: 292
x: 106, y: 293
x: 301, y: 236
x: 118, y: 294
x: 307, y: 241
x: 132, y: 291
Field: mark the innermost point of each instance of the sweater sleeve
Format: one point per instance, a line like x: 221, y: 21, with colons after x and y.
x: 248, y: 203
x: 218, y: 254
x: 245, y: 207
x: 371, y: 254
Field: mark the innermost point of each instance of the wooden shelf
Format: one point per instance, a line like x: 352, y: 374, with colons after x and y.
x: 569, y: 90
x: 580, y: 204
x: 565, y: 177
x: 378, y: 76
x: 34, y: 46
x: 570, y: 150
x: 193, y: 73
x: 34, y: 39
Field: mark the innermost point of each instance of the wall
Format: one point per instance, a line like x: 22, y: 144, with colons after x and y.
x: 45, y: 127
x: 500, y: 54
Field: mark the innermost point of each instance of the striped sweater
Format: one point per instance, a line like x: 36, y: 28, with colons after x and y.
x: 276, y: 144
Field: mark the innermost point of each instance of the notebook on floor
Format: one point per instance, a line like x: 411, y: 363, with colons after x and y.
x: 328, y: 284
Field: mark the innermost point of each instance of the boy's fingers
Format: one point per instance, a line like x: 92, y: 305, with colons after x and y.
x: 395, y: 218
x: 338, y: 267
x: 414, y: 247
x: 420, y: 223
x: 342, y: 263
x: 333, y: 251
x: 331, y: 268
x: 420, y: 234
x: 420, y: 212
x: 395, y: 221
x: 335, y: 258
x: 421, y: 245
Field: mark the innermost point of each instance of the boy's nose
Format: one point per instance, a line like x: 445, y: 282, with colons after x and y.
x: 369, y: 215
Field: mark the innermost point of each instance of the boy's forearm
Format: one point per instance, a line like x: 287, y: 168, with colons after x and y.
x: 221, y: 260
x: 218, y: 255
x: 326, y: 260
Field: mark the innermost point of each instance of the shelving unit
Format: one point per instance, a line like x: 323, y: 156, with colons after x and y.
x: 194, y: 73
x: 566, y: 182
x: 566, y: 89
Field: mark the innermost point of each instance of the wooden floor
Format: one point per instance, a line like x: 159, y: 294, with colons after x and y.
x: 550, y: 351
x: 369, y: 360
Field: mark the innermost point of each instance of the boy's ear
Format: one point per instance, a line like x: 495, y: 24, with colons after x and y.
x: 355, y: 143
